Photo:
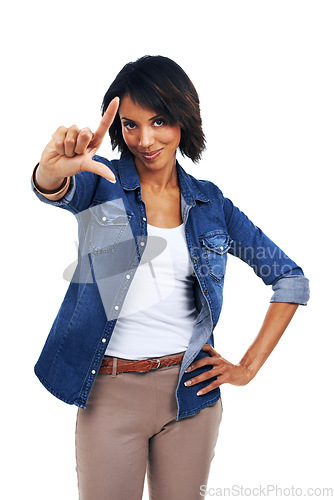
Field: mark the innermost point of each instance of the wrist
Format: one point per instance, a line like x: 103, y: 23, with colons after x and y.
x: 59, y: 190
x: 251, y: 366
x: 44, y: 182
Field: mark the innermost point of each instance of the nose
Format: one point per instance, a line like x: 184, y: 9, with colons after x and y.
x: 146, y: 138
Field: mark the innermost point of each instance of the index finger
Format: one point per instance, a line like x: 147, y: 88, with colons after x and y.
x: 106, y: 122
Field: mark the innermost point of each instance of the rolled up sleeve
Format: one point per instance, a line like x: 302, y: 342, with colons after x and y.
x: 294, y: 289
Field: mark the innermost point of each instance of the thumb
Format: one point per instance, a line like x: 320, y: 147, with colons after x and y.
x: 208, y: 348
x: 98, y: 168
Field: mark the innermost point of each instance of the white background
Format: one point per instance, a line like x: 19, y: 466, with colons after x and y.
x: 264, y: 73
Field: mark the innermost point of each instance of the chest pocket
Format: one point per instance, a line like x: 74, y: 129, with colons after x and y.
x: 214, y: 247
x: 108, y: 223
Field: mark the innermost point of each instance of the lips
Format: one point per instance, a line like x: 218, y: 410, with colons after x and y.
x: 152, y: 155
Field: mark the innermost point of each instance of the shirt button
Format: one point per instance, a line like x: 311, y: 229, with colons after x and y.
x: 116, y: 307
x: 104, y: 218
x: 93, y: 372
x: 144, y: 218
x: 142, y: 243
x: 206, y: 290
x: 186, y: 230
x: 222, y: 248
x: 195, y: 261
x: 128, y: 276
x: 104, y: 340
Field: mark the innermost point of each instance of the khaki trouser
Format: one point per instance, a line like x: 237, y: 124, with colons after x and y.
x: 128, y: 428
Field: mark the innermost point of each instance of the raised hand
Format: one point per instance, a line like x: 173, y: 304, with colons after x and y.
x: 71, y: 150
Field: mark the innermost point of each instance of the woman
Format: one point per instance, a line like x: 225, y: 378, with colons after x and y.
x: 132, y: 345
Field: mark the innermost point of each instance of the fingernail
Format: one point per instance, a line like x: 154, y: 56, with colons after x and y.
x: 113, y: 181
x: 199, y: 393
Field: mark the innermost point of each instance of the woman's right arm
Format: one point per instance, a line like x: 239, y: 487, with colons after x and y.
x: 70, y: 152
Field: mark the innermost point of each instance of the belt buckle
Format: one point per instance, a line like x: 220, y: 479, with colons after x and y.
x: 158, y: 361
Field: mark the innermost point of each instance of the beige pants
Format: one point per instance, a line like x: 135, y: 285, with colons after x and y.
x: 128, y: 428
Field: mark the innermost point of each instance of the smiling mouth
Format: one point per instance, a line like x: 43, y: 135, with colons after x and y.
x: 152, y: 155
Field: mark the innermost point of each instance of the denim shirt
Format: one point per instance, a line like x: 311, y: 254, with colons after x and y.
x: 112, y: 230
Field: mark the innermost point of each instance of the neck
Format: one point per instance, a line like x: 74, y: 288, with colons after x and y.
x: 157, y: 180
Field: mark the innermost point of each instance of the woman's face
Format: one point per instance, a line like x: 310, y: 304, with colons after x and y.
x: 149, y: 138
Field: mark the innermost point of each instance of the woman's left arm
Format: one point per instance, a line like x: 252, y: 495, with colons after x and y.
x: 290, y: 287
x: 278, y: 317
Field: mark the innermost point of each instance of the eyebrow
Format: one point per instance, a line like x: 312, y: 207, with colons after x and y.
x: 133, y: 121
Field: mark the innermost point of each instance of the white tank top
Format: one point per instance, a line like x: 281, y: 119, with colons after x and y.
x: 159, y: 313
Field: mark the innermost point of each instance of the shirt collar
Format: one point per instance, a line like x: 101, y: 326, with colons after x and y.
x: 188, y: 186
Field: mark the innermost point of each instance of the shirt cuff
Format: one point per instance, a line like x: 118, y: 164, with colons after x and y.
x: 57, y: 203
x: 293, y: 288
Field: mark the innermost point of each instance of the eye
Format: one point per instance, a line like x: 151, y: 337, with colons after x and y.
x: 159, y: 122
x: 130, y: 125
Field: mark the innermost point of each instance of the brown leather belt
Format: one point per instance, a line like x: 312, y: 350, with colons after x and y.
x: 113, y: 366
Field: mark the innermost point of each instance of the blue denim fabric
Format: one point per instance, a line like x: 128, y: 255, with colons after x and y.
x: 112, y: 235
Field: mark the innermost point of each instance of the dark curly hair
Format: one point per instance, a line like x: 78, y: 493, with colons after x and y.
x: 159, y: 83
